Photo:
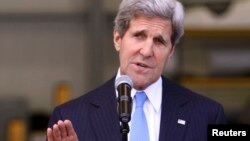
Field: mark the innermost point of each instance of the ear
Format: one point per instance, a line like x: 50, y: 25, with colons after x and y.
x: 117, y: 40
x: 172, y: 51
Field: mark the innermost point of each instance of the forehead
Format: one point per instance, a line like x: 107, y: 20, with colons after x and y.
x: 155, y: 24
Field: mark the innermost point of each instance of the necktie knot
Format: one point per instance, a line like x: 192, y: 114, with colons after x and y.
x: 140, y: 98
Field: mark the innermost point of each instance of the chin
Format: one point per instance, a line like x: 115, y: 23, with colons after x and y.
x: 138, y: 85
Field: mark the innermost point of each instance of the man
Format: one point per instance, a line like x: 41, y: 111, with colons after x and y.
x: 145, y: 35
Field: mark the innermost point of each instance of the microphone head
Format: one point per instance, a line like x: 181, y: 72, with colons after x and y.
x: 123, y: 79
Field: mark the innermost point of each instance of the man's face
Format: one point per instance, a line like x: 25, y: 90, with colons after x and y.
x: 144, y: 49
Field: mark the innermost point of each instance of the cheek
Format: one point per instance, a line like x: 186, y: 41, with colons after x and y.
x: 127, y: 50
x: 124, y: 57
x: 162, y: 59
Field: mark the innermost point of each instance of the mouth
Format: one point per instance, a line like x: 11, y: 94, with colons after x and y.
x: 141, y: 65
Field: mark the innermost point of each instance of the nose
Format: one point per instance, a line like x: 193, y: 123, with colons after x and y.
x: 147, y: 49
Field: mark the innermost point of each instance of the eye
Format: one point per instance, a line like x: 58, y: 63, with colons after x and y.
x: 159, y: 41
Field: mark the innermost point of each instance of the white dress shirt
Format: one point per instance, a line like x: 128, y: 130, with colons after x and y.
x: 152, y: 107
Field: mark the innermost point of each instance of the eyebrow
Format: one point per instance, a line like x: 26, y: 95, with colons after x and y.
x: 139, y: 32
x: 161, y: 39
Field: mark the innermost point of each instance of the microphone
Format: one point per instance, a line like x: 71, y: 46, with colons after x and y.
x: 124, y: 84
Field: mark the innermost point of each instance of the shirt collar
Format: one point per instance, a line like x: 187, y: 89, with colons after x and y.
x: 153, y: 92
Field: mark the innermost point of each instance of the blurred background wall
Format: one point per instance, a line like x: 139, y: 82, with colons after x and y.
x: 52, y: 51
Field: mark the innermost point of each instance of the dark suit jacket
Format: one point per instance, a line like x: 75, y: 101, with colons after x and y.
x: 94, y: 115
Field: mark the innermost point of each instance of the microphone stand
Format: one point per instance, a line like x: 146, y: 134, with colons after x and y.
x: 124, y: 130
x: 125, y: 115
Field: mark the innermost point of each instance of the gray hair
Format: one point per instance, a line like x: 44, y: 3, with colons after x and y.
x: 165, y: 9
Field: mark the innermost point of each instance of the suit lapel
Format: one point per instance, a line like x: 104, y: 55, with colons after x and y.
x: 174, y: 117
x: 103, y: 111
x: 107, y: 128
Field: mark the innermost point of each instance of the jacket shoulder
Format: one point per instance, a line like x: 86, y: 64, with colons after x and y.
x: 197, y: 103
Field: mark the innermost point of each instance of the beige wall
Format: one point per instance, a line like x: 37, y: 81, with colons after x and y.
x: 42, y: 6
x: 236, y: 17
x: 35, y: 56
